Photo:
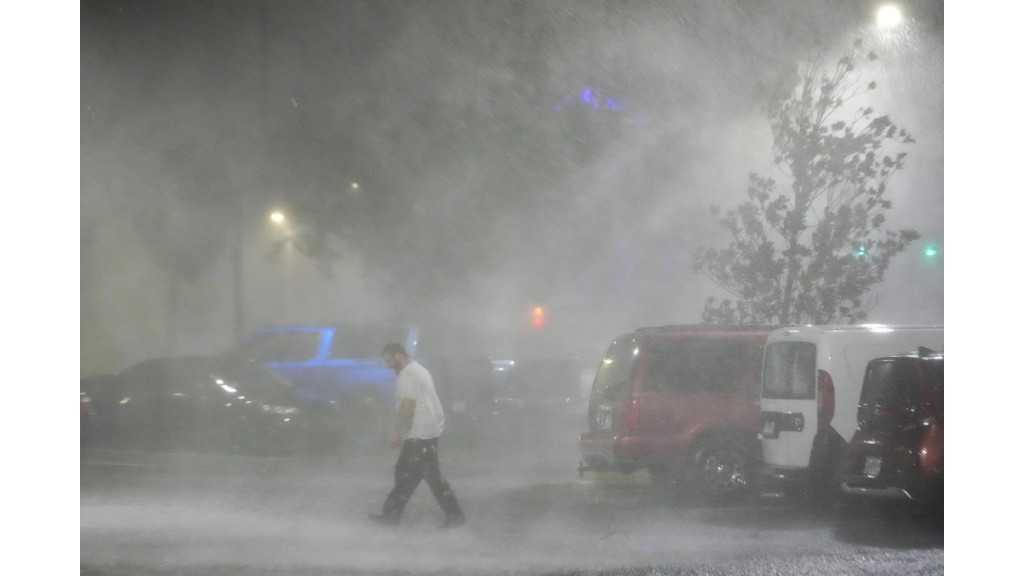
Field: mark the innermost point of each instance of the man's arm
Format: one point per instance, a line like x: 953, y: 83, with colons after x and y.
x: 403, y: 422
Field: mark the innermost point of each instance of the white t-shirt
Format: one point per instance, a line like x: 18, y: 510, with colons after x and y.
x: 415, y: 382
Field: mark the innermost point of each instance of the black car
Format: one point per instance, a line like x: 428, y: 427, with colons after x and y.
x: 219, y: 404
x: 897, y: 450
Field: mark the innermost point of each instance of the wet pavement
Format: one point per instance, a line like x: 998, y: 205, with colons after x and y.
x: 529, y: 513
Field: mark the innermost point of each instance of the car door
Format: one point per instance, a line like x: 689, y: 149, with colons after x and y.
x: 789, y: 408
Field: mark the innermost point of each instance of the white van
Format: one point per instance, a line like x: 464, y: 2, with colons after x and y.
x: 810, y: 388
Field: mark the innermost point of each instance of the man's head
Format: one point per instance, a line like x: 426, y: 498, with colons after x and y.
x: 395, y: 356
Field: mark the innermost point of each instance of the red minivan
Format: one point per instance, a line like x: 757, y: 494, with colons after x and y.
x: 681, y: 401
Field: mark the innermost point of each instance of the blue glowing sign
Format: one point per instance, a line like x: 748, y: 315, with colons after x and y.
x: 593, y: 98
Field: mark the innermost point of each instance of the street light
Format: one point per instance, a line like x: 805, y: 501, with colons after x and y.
x: 888, y: 15
x: 278, y: 218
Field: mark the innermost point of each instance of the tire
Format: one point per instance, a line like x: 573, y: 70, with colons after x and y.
x: 723, y: 470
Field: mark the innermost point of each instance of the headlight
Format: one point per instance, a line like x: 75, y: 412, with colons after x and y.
x: 226, y: 386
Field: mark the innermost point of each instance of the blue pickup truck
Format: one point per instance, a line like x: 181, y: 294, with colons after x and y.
x: 330, y: 362
x: 342, y: 364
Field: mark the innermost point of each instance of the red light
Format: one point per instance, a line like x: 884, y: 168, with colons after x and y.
x: 538, y: 316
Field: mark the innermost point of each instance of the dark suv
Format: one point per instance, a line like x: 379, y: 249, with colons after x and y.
x: 896, y: 452
x: 681, y: 401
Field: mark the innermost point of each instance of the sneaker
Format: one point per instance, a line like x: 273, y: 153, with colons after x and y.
x: 452, y: 522
x: 384, y: 519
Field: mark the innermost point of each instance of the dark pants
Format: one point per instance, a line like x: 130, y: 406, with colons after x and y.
x: 418, y: 461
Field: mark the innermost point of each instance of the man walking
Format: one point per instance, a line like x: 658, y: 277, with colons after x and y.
x: 416, y: 430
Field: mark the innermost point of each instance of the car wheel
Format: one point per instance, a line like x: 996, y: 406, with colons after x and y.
x: 723, y: 470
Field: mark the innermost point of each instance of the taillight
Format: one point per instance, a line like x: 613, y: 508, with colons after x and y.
x: 826, y: 399
x: 632, y: 414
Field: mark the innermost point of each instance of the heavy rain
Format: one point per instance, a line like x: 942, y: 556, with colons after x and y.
x: 511, y: 189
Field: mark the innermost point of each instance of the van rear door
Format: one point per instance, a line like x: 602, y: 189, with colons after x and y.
x: 789, y: 411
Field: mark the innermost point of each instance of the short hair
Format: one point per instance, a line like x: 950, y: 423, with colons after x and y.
x: 395, y: 348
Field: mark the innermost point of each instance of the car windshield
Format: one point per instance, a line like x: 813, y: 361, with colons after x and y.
x: 251, y: 378
x: 893, y: 382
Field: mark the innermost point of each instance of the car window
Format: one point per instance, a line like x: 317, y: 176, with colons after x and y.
x: 186, y: 380
x: 146, y: 385
x: 694, y: 364
x: 616, y: 369
x: 365, y: 341
x: 789, y: 370
x: 893, y: 382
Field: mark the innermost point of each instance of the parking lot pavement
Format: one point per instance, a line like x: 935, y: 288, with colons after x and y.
x: 529, y: 513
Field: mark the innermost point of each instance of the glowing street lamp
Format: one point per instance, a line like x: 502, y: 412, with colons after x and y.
x: 889, y: 15
x: 277, y: 217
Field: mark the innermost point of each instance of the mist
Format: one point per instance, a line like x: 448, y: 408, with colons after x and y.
x: 506, y: 155
x: 454, y: 165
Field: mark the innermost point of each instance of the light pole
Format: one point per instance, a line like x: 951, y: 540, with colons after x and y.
x: 278, y: 218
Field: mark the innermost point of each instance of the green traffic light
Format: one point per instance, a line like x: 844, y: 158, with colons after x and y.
x: 930, y: 252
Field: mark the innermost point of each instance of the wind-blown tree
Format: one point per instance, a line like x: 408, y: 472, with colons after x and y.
x: 812, y: 253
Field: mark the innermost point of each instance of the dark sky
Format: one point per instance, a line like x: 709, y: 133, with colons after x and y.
x: 507, y: 153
